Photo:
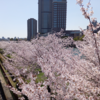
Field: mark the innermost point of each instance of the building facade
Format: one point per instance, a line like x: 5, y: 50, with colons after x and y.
x: 31, y: 28
x: 59, y: 15
x: 51, y: 15
x: 73, y: 33
x: 44, y: 16
x: 95, y: 25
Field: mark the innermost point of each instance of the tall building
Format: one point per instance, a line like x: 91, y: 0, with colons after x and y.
x: 31, y: 28
x: 44, y: 16
x: 51, y: 15
x: 58, y: 15
x: 94, y: 22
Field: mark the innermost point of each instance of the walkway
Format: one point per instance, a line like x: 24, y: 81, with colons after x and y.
x: 4, y: 89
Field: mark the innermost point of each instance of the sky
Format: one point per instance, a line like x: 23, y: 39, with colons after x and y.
x: 15, y: 13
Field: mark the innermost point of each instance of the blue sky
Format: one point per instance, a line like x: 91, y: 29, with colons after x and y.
x: 15, y: 13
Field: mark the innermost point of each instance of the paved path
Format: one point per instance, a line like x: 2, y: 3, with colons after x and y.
x: 0, y: 96
x: 5, y: 89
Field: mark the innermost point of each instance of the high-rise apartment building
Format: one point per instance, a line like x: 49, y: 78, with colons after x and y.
x: 51, y: 15
x: 31, y: 28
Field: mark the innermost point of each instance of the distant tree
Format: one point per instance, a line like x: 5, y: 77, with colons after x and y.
x: 16, y: 39
x: 11, y: 39
x: 79, y: 38
x: 25, y: 39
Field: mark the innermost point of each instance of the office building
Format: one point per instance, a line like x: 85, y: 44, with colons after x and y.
x: 94, y: 23
x: 51, y: 15
x: 73, y: 33
x: 31, y: 28
x: 44, y: 16
x: 59, y: 15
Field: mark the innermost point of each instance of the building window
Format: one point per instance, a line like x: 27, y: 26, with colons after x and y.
x: 55, y: 12
x: 57, y: 0
x: 55, y: 3
x: 55, y: 21
x: 55, y: 9
x: 55, y: 25
x: 55, y: 15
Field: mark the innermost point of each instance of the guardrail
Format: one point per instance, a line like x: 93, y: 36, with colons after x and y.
x: 6, y: 79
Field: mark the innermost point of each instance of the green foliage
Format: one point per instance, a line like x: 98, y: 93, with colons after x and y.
x: 8, y: 55
x: 64, y: 37
x: 57, y: 74
x: 40, y: 77
x: 11, y: 39
x: 16, y: 39
x: 1, y: 59
x: 78, y: 38
x: 9, y: 77
x: 38, y: 69
x: 1, y: 51
x: 74, y: 99
x: 19, y: 67
x: 28, y: 81
x: 67, y: 84
x: 42, y: 85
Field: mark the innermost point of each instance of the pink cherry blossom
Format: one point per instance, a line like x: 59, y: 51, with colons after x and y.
x: 68, y: 76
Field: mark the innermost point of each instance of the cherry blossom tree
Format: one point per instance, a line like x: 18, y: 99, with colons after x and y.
x: 68, y: 76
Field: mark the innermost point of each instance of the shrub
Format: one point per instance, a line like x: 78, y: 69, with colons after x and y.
x: 40, y: 77
x: 64, y: 37
x: 1, y: 51
x: 78, y: 38
x: 11, y: 39
x: 9, y: 56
